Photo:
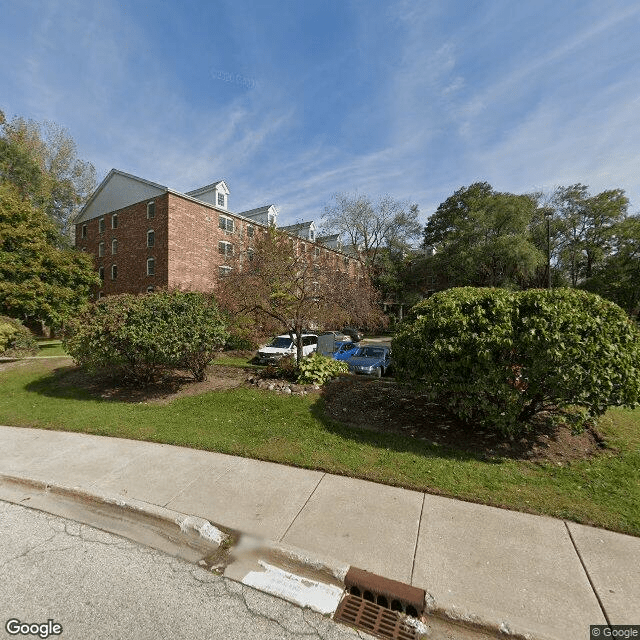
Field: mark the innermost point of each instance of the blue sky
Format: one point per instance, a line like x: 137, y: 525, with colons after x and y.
x: 292, y: 101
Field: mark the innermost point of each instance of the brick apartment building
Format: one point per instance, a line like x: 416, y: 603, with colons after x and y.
x: 146, y: 236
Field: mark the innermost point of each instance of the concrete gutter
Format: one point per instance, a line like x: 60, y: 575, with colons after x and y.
x: 285, y: 571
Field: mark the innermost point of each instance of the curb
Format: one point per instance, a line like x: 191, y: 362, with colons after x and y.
x: 288, y: 572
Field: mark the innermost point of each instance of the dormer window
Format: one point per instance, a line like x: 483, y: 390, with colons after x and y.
x: 312, y: 235
x: 220, y: 199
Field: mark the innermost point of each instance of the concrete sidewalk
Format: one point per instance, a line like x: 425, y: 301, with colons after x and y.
x: 525, y: 574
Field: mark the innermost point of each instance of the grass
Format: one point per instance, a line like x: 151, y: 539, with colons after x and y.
x: 604, y: 491
x: 50, y: 347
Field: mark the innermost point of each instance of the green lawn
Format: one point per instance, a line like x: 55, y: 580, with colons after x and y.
x: 50, y: 347
x: 292, y: 430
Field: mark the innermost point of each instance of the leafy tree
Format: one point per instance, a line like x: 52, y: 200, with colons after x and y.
x: 617, y: 277
x: 584, y: 228
x: 371, y: 227
x: 41, y: 160
x: 37, y: 279
x: 481, y: 237
x: 295, y: 290
x: 497, y: 358
x: 140, y: 337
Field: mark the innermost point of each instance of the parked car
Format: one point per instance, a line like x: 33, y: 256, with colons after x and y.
x: 354, y: 334
x: 345, y: 350
x: 283, y: 345
x: 370, y: 360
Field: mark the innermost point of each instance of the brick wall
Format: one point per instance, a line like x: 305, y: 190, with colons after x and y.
x: 186, y: 248
x: 132, y: 251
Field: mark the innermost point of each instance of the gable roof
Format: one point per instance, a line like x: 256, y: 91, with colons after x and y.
x: 299, y: 226
x: 209, y: 187
x: 116, y: 191
x: 257, y: 211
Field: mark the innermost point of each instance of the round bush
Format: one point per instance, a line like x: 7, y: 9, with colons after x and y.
x: 142, y: 336
x: 15, y: 339
x: 497, y: 358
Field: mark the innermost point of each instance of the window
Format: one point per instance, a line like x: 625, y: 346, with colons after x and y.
x: 101, y: 250
x: 224, y: 270
x: 84, y: 231
x: 250, y: 254
x: 225, y: 248
x: 317, y: 252
x: 311, y: 235
x: 150, y: 289
x: 250, y: 230
x: 114, y: 221
x: 101, y: 225
x: 221, y: 199
x: 151, y: 210
x: 303, y: 247
x: 151, y: 238
x: 101, y: 273
x: 114, y: 247
x: 114, y: 271
x: 226, y: 224
x: 151, y: 266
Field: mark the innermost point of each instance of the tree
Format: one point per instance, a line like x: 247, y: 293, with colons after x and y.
x: 481, y: 237
x: 584, y: 226
x: 41, y: 159
x: 296, y: 289
x: 617, y: 277
x: 371, y: 227
x: 37, y: 279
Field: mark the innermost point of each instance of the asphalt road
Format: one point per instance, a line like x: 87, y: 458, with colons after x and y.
x: 97, y: 585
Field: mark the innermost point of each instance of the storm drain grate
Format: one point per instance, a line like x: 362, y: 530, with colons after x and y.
x: 373, y: 618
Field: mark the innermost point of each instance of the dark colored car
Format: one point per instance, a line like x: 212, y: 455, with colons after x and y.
x: 370, y: 360
x: 354, y: 334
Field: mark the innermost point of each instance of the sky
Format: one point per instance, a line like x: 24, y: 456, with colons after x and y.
x: 291, y: 102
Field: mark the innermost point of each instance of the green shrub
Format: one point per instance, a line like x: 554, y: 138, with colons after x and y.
x: 318, y: 369
x: 497, y: 358
x: 142, y: 336
x: 285, y: 369
x: 15, y: 339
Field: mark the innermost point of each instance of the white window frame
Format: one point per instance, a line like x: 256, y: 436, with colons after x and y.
x: 114, y: 246
x: 151, y: 210
x: 153, y: 244
x: 100, y: 249
x: 101, y: 226
x: 225, y: 248
x: 114, y: 271
x: 114, y: 221
x: 250, y: 230
x: 221, y: 196
x: 101, y: 273
x: 223, y: 270
x: 83, y: 231
x: 151, y: 262
x: 223, y: 223
x: 150, y: 289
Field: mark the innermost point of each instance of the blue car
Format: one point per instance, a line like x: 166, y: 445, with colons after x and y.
x: 370, y: 360
x: 345, y: 350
